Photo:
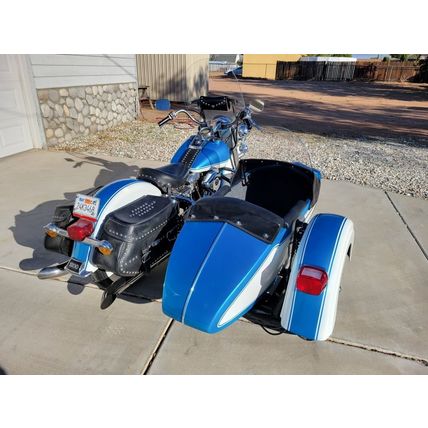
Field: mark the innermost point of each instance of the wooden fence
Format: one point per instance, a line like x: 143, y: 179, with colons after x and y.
x: 386, y: 71
x: 323, y: 70
x: 314, y: 70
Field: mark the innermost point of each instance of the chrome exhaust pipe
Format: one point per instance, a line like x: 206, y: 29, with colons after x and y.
x: 54, y: 271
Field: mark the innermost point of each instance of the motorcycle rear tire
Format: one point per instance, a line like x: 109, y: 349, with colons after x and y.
x: 101, y: 278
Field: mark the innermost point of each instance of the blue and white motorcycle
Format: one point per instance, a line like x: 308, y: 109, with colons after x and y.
x: 256, y: 250
x: 119, y: 232
x: 260, y: 255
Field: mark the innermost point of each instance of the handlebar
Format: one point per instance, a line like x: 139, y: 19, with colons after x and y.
x: 174, y: 114
x: 165, y: 120
x: 245, y: 115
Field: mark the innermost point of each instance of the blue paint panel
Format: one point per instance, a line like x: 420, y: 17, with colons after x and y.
x: 190, y: 249
x: 181, y: 150
x: 320, y: 252
x: 232, y: 262
x: 306, y: 312
x: 210, y: 265
x: 82, y: 251
x: 213, y: 152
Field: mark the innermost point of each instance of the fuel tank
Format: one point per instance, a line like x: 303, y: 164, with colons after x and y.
x: 214, y: 153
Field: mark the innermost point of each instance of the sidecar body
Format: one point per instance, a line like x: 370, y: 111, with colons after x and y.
x: 232, y: 252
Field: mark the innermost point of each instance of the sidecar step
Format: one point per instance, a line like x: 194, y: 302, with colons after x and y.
x: 54, y: 271
x: 116, y: 288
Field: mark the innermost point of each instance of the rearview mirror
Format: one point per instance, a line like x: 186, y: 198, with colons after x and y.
x: 257, y: 106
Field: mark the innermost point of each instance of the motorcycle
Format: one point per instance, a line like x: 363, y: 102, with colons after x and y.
x: 119, y: 232
x: 257, y: 251
x: 260, y: 256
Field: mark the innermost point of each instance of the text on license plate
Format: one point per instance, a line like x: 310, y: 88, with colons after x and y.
x: 86, y: 207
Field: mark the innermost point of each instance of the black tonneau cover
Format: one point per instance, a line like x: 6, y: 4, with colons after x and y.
x: 246, y: 216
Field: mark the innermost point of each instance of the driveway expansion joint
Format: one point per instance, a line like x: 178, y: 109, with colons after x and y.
x: 418, y: 243
x: 157, y: 347
x: 370, y: 348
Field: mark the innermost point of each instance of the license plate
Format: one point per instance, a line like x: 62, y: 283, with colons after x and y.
x: 74, y: 266
x: 86, y: 207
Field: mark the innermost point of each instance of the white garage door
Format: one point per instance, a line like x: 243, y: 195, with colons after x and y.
x: 15, y: 117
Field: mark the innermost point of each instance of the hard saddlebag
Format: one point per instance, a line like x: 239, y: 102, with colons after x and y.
x: 138, y: 232
x: 63, y: 217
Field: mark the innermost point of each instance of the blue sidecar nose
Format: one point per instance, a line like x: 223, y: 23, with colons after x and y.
x: 216, y: 272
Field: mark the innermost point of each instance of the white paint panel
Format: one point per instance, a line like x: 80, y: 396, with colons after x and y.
x: 56, y: 71
x: 252, y: 290
x: 15, y: 117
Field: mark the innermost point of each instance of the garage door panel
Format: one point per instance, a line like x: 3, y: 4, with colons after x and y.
x: 9, y: 103
x: 15, y: 135
x: 4, y: 64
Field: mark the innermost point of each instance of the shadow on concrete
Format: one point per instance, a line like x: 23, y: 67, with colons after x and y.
x: 2, y: 371
x: 28, y: 227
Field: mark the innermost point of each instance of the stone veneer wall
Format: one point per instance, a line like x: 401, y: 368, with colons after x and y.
x: 75, y: 111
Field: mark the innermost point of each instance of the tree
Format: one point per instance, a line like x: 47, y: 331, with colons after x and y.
x: 406, y: 57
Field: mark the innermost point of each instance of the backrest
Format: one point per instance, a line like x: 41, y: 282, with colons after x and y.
x: 278, y: 188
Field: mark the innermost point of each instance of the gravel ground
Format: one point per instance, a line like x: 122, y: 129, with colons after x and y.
x: 401, y: 167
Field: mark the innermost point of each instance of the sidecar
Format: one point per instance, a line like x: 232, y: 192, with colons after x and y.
x: 257, y: 256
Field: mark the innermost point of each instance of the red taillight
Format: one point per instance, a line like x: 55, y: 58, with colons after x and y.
x: 80, y: 230
x: 311, y: 280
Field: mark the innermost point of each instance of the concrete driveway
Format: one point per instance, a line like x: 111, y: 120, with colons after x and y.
x: 56, y: 326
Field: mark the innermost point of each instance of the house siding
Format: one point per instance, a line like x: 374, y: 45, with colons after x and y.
x: 58, y: 71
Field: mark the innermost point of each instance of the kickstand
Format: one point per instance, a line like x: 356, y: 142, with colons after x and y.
x: 116, y: 288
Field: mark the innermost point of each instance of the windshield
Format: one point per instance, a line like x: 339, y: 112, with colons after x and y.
x: 214, y: 80
x: 198, y: 77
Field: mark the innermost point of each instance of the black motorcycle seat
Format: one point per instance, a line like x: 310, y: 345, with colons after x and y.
x: 166, y: 177
x: 252, y: 219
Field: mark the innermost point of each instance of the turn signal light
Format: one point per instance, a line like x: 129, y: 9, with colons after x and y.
x: 311, y: 280
x: 105, y: 251
x: 51, y: 233
x: 80, y: 230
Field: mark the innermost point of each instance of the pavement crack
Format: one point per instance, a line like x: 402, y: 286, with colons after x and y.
x: 418, y: 243
x: 379, y: 350
x: 157, y: 347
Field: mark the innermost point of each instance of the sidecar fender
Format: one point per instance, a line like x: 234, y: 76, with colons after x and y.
x: 326, y: 242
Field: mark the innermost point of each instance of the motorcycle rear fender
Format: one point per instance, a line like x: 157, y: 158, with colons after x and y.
x: 326, y: 242
x: 112, y: 196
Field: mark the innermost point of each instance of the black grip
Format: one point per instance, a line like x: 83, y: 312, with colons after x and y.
x: 165, y: 120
